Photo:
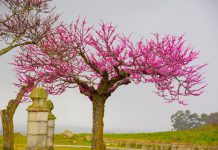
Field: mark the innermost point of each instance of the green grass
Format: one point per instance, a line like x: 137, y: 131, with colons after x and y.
x: 206, y: 135
x: 18, y: 139
x: 22, y: 147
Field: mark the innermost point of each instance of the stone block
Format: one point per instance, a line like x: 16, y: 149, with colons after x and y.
x: 37, y: 128
x: 68, y: 133
x: 36, y: 141
x: 50, y: 132
x: 50, y: 141
x: 51, y: 123
x: 32, y: 116
x: 42, y: 116
x: 37, y: 116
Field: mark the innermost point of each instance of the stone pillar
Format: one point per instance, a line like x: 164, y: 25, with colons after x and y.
x: 37, y: 126
x: 51, y: 125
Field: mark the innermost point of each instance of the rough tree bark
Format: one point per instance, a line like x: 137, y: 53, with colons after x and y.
x: 7, y: 126
x: 98, y: 103
x: 7, y: 120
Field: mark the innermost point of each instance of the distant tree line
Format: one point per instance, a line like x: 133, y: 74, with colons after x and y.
x: 183, y: 120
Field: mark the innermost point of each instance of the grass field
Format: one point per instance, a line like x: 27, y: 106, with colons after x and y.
x: 203, y: 136
x: 22, y: 147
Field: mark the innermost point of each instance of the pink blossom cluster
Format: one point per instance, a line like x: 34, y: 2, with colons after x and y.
x: 78, y: 55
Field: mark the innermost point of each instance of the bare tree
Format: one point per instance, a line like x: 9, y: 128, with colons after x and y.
x: 24, y: 22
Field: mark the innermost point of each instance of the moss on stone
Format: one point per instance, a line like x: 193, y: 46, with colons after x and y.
x: 50, y: 106
x: 34, y: 105
x: 39, y: 93
x: 38, y: 96
x: 51, y: 116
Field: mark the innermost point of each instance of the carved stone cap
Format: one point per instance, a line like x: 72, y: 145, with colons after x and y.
x: 50, y: 106
x: 39, y: 93
x: 38, y: 96
x: 30, y: 109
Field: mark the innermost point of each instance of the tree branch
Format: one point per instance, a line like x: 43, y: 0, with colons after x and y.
x: 84, y: 87
x: 87, y: 61
x: 13, y: 104
x: 11, y: 46
x: 115, y: 86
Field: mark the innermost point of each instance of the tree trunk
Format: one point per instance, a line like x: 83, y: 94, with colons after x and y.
x: 98, y: 124
x: 8, y: 130
x: 7, y: 119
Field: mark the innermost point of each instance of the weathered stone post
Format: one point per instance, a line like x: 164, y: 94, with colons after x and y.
x: 51, y: 125
x: 37, y: 126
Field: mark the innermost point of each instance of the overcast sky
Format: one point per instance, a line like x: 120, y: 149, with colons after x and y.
x: 134, y: 107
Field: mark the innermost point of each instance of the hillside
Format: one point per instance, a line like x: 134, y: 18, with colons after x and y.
x: 202, y: 137
x: 205, y: 136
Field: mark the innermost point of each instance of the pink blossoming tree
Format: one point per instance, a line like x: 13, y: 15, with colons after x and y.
x: 99, y: 60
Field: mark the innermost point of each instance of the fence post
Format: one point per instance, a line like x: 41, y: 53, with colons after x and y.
x: 37, y: 126
x: 51, y: 125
